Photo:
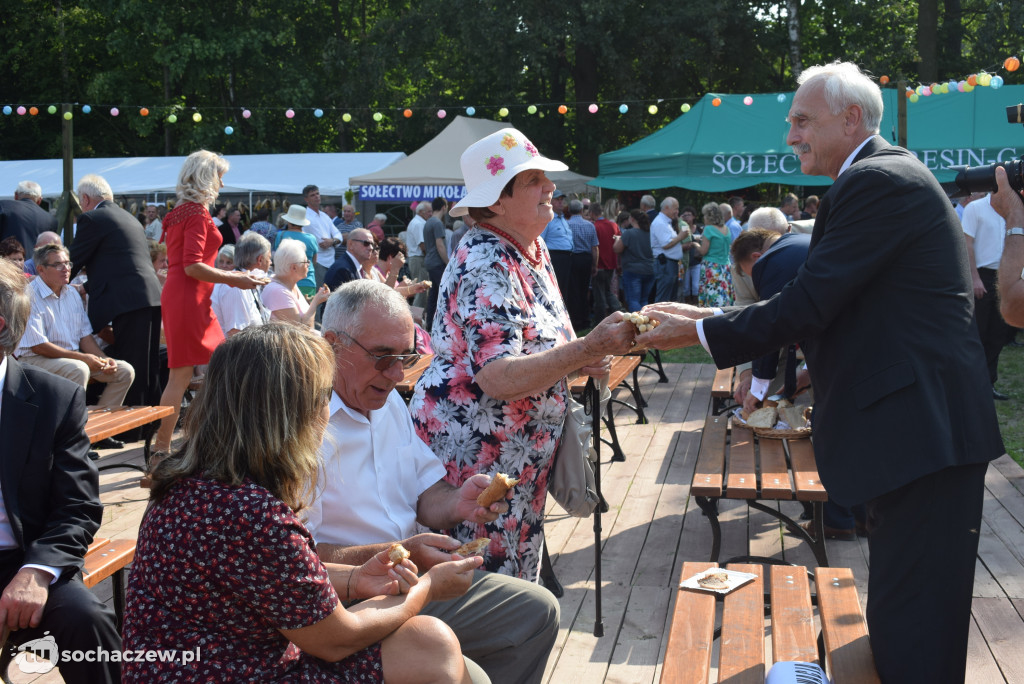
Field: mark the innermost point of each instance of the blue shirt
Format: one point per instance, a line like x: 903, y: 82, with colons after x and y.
x: 734, y: 226
x: 558, y: 235
x: 584, y: 235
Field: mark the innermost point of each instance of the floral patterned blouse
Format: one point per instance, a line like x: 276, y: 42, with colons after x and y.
x: 218, y: 571
x: 493, y: 305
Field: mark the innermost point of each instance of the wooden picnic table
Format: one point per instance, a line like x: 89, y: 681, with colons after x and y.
x: 783, y: 594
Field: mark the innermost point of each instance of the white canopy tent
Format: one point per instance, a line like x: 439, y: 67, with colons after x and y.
x: 434, y: 170
x: 155, y: 177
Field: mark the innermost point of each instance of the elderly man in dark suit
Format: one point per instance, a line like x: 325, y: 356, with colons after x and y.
x: 23, y: 218
x: 904, y: 419
x: 124, y: 291
x: 50, y: 494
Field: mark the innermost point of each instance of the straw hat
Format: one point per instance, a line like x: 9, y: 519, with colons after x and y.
x: 297, y: 215
x: 489, y: 164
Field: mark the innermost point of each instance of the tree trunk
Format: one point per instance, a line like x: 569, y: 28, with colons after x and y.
x: 952, y: 36
x: 793, y: 26
x: 928, y: 40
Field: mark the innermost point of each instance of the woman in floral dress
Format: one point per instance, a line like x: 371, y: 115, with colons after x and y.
x: 716, y: 283
x: 226, y: 574
x: 494, y: 397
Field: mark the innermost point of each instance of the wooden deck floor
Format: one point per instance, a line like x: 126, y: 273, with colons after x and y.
x: 654, y: 525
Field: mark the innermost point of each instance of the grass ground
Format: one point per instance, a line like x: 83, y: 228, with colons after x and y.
x: 1011, y: 382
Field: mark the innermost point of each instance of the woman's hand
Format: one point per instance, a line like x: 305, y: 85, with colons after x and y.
x: 429, y: 549
x: 243, y: 281
x: 380, y: 577
x: 613, y: 335
x: 600, y: 369
x: 468, y: 509
x: 452, y: 579
x: 320, y: 297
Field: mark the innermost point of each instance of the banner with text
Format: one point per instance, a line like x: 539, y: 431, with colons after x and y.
x: 410, y: 193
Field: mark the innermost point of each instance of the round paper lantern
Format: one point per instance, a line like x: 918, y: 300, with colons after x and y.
x: 717, y: 102
x: 86, y: 109
x: 290, y: 113
x: 144, y: 112
x: 592, y: 109
x: 961, y: 86
x: 52, y: 109
x: 952, y: 85
x: 1011, y: 64
x: 172, y: 119
x: 652, y: 109
x: 972, y: 80
x: 748, y: 100
x: 246, y: 113
x: 685, y: 108
x: 503, y: 112
x: 441, y: 113
x: 21, y: 111
x: 33, y: 111
x: 318, y: 113
x: 532, y: 109
x: 67, y: 116
x: 623, y: 109
x: 407, y: 113
x: 197, y: 117
x: 883, y: 80
x: 228, y: 130
x: 562, y: 109
x: 377, y: 116
x: 968, y: 87
x: 470, y: 111
x: 926, y: 91
x: 997, y: 82
x: 7, y: 109
x: 914, y: 97
x: 984, y: 79
x: 346, y: 117
x: 114, y: 111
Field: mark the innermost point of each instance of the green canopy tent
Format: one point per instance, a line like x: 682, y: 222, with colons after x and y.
x: 736, y: 145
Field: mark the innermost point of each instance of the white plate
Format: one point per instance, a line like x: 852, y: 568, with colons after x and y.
x: 734, y: 580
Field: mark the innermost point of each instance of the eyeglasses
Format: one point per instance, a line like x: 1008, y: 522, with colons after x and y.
x: 373, y: 246
x: 60, y: 265
x: 385, y: 361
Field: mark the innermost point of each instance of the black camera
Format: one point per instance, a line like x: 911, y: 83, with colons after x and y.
x: 983, y: 178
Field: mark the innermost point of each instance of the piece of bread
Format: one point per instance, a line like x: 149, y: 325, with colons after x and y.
x: 473, y: 548
x: 496, y: 491
x: 397, y: 553
x: 764, y: 418
x: 794, y: 416
x: 807, y: 414
x: 714, y: 580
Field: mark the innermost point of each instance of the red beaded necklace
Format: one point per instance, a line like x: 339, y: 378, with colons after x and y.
x: 532, y: 260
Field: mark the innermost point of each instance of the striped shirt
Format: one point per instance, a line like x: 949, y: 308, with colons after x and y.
x: 584, y: 236
x: 60, y: 320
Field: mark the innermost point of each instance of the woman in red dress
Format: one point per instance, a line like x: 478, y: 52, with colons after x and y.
x: 190, y: 326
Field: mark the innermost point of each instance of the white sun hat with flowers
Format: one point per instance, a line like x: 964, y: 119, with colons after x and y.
x: 489, y: 164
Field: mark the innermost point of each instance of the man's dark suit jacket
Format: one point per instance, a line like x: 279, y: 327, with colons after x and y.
x: 883, y: 311
x: 776, y: 267
x: 342, y: 271
x: 25, y: 220
x: 111, y: 245
x: 50, y: 487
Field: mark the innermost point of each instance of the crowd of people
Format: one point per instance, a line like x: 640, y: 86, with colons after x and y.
x: 269, y: 539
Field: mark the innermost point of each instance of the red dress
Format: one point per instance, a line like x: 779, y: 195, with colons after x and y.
x: 190, y: 326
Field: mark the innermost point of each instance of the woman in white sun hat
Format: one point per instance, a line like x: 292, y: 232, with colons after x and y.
x: 494, y: 397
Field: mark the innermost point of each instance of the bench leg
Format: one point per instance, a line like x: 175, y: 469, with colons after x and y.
x: 710, y: 508
x: 609, y: 422
x: 635, y: 389
x: 638, y: 399
x: 660, y: 370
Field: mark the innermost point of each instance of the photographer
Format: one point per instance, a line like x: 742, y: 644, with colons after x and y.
x: 1009, y: 205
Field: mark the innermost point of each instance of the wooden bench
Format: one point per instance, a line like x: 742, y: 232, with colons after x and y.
x: 735, y: 464
x: 109, y: 422
x: 784, y: 596
x: 622, y: 368
x: 412, y: 375
x: 722, y: 391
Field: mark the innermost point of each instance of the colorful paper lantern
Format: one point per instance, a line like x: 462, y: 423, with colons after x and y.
x: 33, y: 111
x: 1011, y: 64
x: 470, y: 111
x: 407, y: 113
x: 592, y: 108
x: 144, y: 112
x: 197, y: 117
x: 441, y: 113
x: 503, y: 112
x: 228, y: 130
x: 377, y: 116
x: 114, y: 111
x: 781, y: 97
x: 685, y: 107
x: 996, y: 83
x: 67, y: 116
x: 318, y: 113
x: 883, y: 80
x: 532, y: 109
x: 346, y: 117
x: 716, y: 102
x: 652, y: 109
x: 86, y: 109
x: 968, y: 87
x: 961, y: 86
x: 7, y: 109
x: 984, y: 79
x: 246, y: 113
x: 748, y: 100
x: 52, y: 109
x: 562, y: 109
x: 914, y: 97
x: 290, y: 113
x: 172, y: 119
x: 972, y: 80
x: 623, y: 108
x: 21, y: 111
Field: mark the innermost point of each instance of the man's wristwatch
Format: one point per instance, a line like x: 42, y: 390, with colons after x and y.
x: 1014, y: 231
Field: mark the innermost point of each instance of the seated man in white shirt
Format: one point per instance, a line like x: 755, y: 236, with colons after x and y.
x: 380, y: 483
x: 237, y: 309
x: 58, y: 337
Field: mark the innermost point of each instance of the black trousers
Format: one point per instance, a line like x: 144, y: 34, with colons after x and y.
x: 923, y: 542
x: 561, y: 261
x: 435, y: 287
x: 992, y: 329
x: 137, y: 341
x: 582, y: 265
x: 75, y: 620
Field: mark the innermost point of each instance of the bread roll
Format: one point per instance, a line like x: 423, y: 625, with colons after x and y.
x: 397, y: 553
x: 714, y: 580
x: 496, y: 491
x: 473, y: 548
x: 764, y: 418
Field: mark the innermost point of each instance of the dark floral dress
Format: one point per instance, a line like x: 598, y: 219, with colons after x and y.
x: 493, y: 305
x: 217, y: 572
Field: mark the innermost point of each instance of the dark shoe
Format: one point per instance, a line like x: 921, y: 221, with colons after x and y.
x: 999, y: 396
x: 93, y: 455
x: 109, y: 443
x: 831, y: 532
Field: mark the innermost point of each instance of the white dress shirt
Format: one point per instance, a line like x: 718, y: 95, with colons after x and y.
x: 56, y: 318
x: 662, y: 232
x: 322, y: 228
x: 988, y: 229
x: 372, y: 474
